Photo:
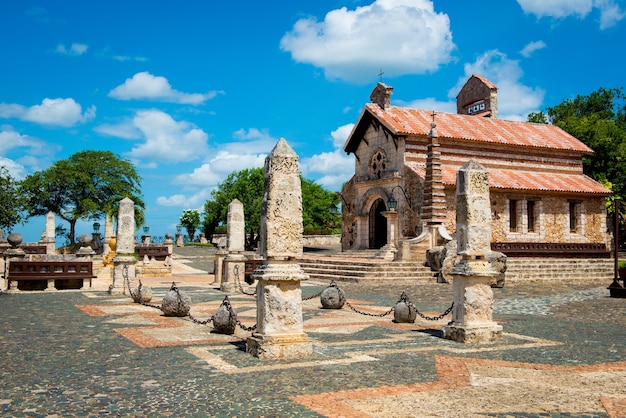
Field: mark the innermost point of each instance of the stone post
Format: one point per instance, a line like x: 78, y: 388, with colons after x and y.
x: 472, y: 274
x: 124, y: 261
x: 221, y: 252
x: 49, y: 239
x: 234, y: 268
x: 179, y: 239
x: 392, y: 222
x: 279, y: 331
x: 14, y: 253
x: 169, y: 243
x: 108, y: 233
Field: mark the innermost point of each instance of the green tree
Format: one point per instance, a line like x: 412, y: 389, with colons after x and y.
x: 190, y: 219
x: 87, y: 185
x: 248, y: 185
x: 10, y: 201
x: 598, y: 120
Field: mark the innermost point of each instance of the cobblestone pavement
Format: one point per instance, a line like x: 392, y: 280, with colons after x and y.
x: 88, y: 354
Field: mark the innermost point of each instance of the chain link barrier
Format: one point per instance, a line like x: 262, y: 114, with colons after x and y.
x: 403, y: 298
x: 432, y: 318
x: 238, y: 281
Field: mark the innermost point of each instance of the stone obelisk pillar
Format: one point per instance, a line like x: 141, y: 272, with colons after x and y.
x: 473, y: 297
x: 49, y: 238
x: 124, y: 261
x: 235, y: 261
x: 279, y: 331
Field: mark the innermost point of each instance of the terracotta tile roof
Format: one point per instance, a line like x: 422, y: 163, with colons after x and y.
x: 407, y: 121
x: 531, y: 181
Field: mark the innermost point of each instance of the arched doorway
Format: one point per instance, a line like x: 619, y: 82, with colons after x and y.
x: 377, y: 225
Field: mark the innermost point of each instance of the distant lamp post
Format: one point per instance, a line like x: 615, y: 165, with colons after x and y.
x: 179, y: 235
x: 392, y: 203
x: 95, y: 237
x: 332, y: 209
x: 145, y: 239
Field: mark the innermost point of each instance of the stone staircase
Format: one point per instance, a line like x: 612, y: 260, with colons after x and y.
x: 359, y: 268
x: 536, y: 268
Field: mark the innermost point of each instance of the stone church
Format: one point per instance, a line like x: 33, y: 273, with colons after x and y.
x: 401, y: 198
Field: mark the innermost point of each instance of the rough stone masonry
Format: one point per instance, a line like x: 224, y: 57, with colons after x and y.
x: 279, y: 330
x: 472, y: 274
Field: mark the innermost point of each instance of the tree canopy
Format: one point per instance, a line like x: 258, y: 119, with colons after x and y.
x: 87, y: 185
x: 10, y: 201
x: 247, y: 186
x: 598, y: 120
x: 190, y: 220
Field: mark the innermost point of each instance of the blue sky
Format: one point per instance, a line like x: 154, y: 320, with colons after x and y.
x: 190, y: 91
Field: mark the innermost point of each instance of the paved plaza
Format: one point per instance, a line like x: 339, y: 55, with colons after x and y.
x: 88, y: 353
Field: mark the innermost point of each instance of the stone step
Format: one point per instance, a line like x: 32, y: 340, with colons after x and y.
x: 356, y: 270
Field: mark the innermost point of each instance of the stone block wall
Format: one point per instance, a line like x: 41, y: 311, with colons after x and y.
x: 537, y: 268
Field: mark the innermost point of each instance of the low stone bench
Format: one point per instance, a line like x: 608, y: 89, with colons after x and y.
x: 250, y: 266
x: 158, y: 252
x: 50, y: 271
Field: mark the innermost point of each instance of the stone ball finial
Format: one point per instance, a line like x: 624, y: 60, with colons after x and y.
x: 14, y: 239
x: 84, y: 240
x: 168, y: 235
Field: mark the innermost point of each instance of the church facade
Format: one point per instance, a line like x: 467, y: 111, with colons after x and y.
x: 401, y: 198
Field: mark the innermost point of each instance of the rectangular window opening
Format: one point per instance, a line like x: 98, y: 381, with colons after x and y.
x: 513, y: 215
x: 530, y: 214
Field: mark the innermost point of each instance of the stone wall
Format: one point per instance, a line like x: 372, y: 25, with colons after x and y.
x: 322, y: 241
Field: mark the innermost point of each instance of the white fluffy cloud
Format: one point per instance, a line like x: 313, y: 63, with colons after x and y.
x: 332, y: 169
x: 59, y: 112
x: 515, y: 100
x: 74, y: 49
x: 166, y: 139
x: 398, y: 36
x: 531, y: 47
x: 610, y: 12
x: 145, y: 86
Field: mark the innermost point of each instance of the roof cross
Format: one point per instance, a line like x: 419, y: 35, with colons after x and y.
x: 380, y: 74
x: 433, y: 115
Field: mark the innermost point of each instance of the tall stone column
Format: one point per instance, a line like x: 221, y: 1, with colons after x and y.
x: 279, y: 331
x: 472, y: 274
x: 49, y: 238
x: 108, y: 233
x: 235, y: 261
x: 124, y: 260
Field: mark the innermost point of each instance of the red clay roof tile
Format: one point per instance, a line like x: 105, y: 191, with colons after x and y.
x: 407, y: 121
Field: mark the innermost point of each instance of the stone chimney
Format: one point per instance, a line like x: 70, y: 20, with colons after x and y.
x: 478, y: 97
x: 381, y: 95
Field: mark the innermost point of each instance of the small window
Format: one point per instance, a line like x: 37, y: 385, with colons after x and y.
x: 574, y: 217
x: 530, y: 215
x: 513, y: 215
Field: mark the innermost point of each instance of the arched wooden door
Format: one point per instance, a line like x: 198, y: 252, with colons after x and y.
x: 377, y: 225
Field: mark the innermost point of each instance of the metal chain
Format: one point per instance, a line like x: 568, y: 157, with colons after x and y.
x: 314, y: 296
x: 245, y: 328
x: 432, y: 318
x: 367, y: 313
x: 138, y: 294
x: 236, y: 271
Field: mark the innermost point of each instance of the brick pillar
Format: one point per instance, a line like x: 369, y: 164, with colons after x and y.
x: 434, y: 208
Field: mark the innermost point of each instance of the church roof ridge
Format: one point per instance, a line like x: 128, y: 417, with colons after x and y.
x: 409, y: 121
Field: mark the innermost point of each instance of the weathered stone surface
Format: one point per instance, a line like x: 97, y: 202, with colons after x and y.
x: 443, y: 259
x: 126, y: 227
x: 279, y: 331
x: 176, y: 303
x: 404, y: 311
x: 236, y: 227
x: 281, y: 214
x: 225, y: 318
x: 332, y: 297
x: 472, y: 273
x: 473, y: 217
x: 142, y: 294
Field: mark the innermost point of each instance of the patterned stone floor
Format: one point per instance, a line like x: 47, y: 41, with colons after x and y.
x: 74, y: 353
